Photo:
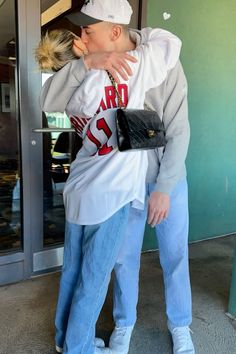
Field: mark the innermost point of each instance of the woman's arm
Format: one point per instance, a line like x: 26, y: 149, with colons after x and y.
x: 59, y: 88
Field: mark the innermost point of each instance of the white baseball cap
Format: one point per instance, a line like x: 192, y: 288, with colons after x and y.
x: 94, y: 11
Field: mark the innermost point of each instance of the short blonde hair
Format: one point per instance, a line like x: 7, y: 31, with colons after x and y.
x: 55, y: 50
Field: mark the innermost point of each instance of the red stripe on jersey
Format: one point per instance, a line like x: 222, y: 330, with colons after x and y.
x: 76, y: 125
x: 85, y: 120
x: 79, y: 123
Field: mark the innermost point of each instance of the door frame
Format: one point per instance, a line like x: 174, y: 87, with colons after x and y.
x: 38, y: 259
x: 16, y: 266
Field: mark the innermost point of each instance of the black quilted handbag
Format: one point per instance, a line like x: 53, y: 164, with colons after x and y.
x: 137, y: 128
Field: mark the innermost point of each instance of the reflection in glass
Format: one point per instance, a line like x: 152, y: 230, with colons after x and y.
x: 59, y: 150
x: 10, y: 171
x: 56, y: 168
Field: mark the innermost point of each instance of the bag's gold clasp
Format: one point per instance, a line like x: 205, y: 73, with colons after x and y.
x: 151, y: 133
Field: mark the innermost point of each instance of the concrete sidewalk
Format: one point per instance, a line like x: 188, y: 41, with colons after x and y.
x: 27, y: 309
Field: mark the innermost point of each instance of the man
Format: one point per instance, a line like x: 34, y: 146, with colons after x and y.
x: 167, y: 199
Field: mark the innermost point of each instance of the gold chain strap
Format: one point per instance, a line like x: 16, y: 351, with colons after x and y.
x: 120, y: 102
x: 114, y: 84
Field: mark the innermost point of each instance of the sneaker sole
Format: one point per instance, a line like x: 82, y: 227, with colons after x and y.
x: 58, y: 349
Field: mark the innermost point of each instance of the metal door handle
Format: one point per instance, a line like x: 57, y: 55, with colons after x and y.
x: 53, y: 130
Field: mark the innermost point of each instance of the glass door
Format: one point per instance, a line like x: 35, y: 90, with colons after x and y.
x: 11, y: 197
x: 10, y: 153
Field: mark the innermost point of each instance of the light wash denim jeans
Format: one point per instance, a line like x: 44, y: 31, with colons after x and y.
x: 90, y: 253
x: 172, y: 235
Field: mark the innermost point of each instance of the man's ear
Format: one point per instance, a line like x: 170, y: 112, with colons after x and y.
x: 116, y: 32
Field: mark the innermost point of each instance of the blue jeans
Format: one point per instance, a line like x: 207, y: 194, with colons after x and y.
x: 172, y: 235
x: 90, y: 253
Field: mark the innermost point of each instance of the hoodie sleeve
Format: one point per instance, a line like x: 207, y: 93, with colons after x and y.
x: 59, y: 88
x: 168, y: 42
x: 175, y: 118
x: 158, y: 52
x: 87, y: 97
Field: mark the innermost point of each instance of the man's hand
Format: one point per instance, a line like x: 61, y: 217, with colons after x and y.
x: 116, y: 63
x: 158, y: 208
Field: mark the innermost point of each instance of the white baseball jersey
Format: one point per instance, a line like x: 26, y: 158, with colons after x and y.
x: 102, y: 179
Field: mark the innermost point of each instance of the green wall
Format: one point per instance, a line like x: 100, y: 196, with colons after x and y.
x: 207, y: 29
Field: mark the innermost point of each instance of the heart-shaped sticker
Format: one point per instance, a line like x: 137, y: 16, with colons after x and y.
x: 166, y: 16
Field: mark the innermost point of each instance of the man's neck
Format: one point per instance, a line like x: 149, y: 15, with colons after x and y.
x: 125, y: 44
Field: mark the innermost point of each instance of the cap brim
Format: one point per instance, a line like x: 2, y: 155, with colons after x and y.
x: 80, y: 19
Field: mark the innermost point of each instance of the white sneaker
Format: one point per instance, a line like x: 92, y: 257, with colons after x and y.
x: 120, y: 340
x: 99, y: 342
x: 182, y: 341
x: 58, y: 349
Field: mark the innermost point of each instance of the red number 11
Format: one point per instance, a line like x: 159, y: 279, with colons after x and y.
x: 101, y: 125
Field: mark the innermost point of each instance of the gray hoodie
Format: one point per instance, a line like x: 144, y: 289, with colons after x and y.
x: 166, y: 166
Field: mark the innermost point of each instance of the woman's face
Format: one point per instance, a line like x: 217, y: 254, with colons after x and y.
x: 79, y: 48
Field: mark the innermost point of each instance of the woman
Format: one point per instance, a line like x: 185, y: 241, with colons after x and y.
x: 103, y: 184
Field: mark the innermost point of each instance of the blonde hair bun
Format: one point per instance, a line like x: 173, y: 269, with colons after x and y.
x: 55, y: 50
